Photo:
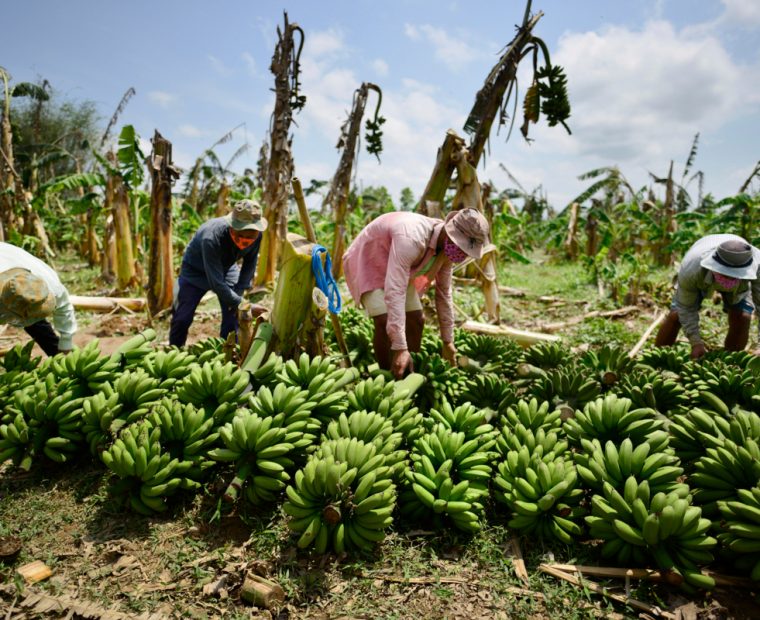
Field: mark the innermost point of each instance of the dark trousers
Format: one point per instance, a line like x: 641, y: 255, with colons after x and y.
x: 44, y: 335
x: 188, y: 298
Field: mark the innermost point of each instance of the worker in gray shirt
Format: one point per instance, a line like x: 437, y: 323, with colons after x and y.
x: 210, y: 263
x: 723, y: 263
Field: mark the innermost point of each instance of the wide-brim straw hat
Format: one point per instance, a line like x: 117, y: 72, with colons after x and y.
x: 733, y: 258
x: 25, y: 295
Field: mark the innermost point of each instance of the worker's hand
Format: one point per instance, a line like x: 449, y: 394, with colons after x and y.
x: 64, y: 351
x: 756, y: 352
x: 449, y: 353
x: 402, y: 361
x: 698, y: 350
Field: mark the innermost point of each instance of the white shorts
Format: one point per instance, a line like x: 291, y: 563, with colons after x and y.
x: 374, y: 301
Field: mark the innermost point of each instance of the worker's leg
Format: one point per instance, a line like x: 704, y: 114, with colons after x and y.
x: 738, y: 329
x: 668, y: 332
x: 188, y: 298
x: 44, y: 335
x: 381, y: 342
x: 415, y: 324
x: 229, y: 321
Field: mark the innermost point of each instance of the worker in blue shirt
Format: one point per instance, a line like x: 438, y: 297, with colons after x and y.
x: 210, y: 263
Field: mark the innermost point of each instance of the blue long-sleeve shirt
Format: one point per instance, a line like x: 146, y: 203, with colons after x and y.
x: 210, y: 262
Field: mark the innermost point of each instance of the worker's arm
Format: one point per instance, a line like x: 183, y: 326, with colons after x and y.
x: 756, y: 299
x: 248, y: 268
x: 64, y: 321
x: 444, y: 305
x: 686, y: 303
x: 215, y: 274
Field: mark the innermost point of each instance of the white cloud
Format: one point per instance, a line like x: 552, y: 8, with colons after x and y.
x: 162, y: 98
x: 191, y: 131
x: 218, y: 66
x: 380, y: 67
x: 250, y: 64
x: 325, y: 42
x: 744, y: 13
x: 453, y: 51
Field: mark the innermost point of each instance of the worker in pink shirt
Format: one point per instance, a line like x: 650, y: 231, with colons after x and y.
x: 394, y: 259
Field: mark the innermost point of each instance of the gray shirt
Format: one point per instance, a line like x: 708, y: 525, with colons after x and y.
x: 695, y: 283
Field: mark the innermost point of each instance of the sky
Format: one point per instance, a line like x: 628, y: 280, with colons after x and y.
x: 643, y: 78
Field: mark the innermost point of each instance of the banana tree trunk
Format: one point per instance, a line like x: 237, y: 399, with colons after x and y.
x: 160, y: 267
x: 108, y: 257
x: 93, y: 250
x: 125, y: 258
x: 7, y: 182
x: 222, y: 198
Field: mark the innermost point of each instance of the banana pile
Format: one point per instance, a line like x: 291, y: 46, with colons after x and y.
x: 610, y: 363
x: 687, y: 431
x: 448, y: 478
x: 466, y: 419
x: 86, y: 368
x: 147, y: 475
x: 488, y: 392
x: 169, y: 367
x: 637, y: 526
x: 533, y: 415
x: 215, y: 387
x: 614, y: 464
x: 547, y: 355
x: 343, y: 498
x: 612, y: 419
x: 740, y: 530
x: 19, y: 359
x: 442, y: 382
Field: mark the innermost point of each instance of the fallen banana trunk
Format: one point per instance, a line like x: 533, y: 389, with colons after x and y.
x: 107, y: 304
x: 523, y: 338
x: 618, y: 313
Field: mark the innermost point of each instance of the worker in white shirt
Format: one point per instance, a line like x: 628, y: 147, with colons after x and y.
x: 30, y: 294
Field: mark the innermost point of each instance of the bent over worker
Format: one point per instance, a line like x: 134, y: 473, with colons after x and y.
x: 31, y: 293
x: 723, y: 263
x: 396, y: 257
x: 210, y: 263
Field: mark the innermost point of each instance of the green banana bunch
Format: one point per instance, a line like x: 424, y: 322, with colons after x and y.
x: 101, y: 419
x: 11, y: 383
x: 16, y: 443
x: 544, y: 500
x: 722, y: 470
x: 169, y: 367
x: 208, y: 351
x: 598, y: 464
x: 442, y: 382
x: 342, y: 498
x: 532, y: 414
x: 495, y: 355
x: 54, y: 417
x: 516, y: 463
x: 147, y: 474
x: 610, y: 362
x: 86, y: 368
x: 290, y: 408
x: 653, y: 390
x: 260, y: 449
x: 688, y: 429
x: 733, y: 386
x: 489, y: 392
x: 539, y: 442
x: 448, y: 478
x: 466, y: 419
x: 358, y: 331
x: 547, y: 355
x: 268, y: 373
x: 612, y: 419
x: 637, y: 525
x: 741, y: 529
x: 566, y: 386
x: 20, y: 359
x: 215, y: 387
x: 324, y: 382
x: 672, y: 359
x: 187, y: 435
x: 137, y: 391
x: 371, y: 428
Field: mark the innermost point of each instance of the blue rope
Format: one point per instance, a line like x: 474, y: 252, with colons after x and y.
x: 325, y: 281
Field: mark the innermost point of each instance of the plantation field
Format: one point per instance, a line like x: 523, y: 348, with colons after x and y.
x: 190, y: 560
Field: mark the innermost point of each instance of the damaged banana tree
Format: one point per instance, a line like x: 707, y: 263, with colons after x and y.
x: 337, y: 196
x: 286, y: 70
x: 547, y: 95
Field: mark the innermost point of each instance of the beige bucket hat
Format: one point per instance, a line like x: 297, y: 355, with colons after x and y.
x: 25, y: 295
x: 247, y: 215
x: 469, y: 229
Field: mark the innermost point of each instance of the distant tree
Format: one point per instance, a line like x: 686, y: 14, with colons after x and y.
x: 407, y: 201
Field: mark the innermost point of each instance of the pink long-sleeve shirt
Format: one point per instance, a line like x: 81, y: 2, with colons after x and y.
x: 388, y: 254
